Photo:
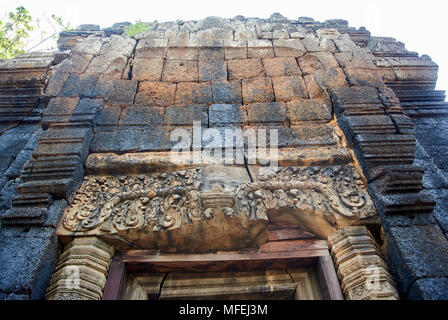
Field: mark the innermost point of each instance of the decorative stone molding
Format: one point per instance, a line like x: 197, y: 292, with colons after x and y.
x: 81, y: 271
x: 158, y: 210
x: 360, y: 267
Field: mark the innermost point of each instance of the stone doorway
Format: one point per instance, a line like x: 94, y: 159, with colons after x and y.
x: 278, y: 284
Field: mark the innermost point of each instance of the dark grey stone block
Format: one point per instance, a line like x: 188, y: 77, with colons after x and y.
x: 429, y: 289
x: 141, y: 116
x: 228, y: 92
x: 16, y: 167
x: 121, y: 141
x: 185, y: 115
x: 225, y: 115
x: 27, y: 260
x: 210, y: 70
x: 416, y: 252
x: 154, y: 139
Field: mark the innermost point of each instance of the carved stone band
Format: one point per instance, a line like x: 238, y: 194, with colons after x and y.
x: 190, y: 211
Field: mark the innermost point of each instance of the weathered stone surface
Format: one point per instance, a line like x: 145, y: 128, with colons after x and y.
x: 276, y: 67
x: 185, y: 115
x: 27, y: 260
x: 406, y: 251
x: 300, y: 110
x: 267, y: 113
x: 288, y: 88
x: 147, y: 69
x: 121, y: 141
x: 227, y: 92
x: 109, y: 117
x: 155, y: 93
x: 180, y: 70
x: 141, y: 116
x: 245, y: 69
x: 429, y: 289
x: 257, y: 90
x: 188, y: 93
x: 289, y: 48
x: 259, y: 49
x: 224, y: 115
x: 212, y: 70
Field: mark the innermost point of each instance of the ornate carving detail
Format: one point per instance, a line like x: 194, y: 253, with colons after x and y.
x: 167, y: 201
x: 81, y: 270
x: 360, y: 267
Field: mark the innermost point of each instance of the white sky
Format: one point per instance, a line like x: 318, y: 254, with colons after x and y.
x: 421, y: 25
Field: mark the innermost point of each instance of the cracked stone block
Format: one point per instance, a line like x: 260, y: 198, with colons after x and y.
x: 245, y: 69
x: 267, y: 113
x: 289, y: 87
x: 276, y: 67
x: 300, y: 110
x: 190, y: 93
x: 257, y: 90
x: 141, y: 116
x: 212, y: 70
x: 147, y: 69
x: 180, y: 70
x: 185, y: 115
x: 227, y: 92
x: 155, y: 93
x: 222, y: 115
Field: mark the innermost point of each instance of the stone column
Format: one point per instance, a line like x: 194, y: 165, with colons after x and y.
x: 360, y: 267
x: 81, y: 270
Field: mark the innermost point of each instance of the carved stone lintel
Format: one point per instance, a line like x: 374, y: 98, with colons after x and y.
x: 163, y: 210
x: 81, y: 271
x: 361, y: 269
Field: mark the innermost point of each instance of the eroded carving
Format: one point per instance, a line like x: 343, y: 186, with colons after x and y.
x: 317, y: 199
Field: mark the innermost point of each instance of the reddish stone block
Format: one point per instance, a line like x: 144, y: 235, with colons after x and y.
x: 276, y: 67
x: 155, y: 93
x: 267, y: 113
x: 289, y: 87
x: 180, y: 70
x: 245, y: 69
x: 147, y: 69
x: 189, y: 93
x: 300, y: 110
x: 257, y: 90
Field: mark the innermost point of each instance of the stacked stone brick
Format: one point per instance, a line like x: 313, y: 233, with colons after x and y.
x: 112, y: 93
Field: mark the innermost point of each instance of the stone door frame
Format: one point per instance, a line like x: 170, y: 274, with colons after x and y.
x: 272, y: 255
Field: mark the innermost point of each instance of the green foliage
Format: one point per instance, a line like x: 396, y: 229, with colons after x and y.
x: 16, y: 29
x: 13, y: 31
x: 135, y: 29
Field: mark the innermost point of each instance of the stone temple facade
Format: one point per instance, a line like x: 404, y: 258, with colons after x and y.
x: 94, y: 206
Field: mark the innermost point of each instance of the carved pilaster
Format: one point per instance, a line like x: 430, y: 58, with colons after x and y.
x: 361, y: 269
x: 81, y: 271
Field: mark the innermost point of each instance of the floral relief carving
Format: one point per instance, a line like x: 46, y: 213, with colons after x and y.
x: 169, y: 200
